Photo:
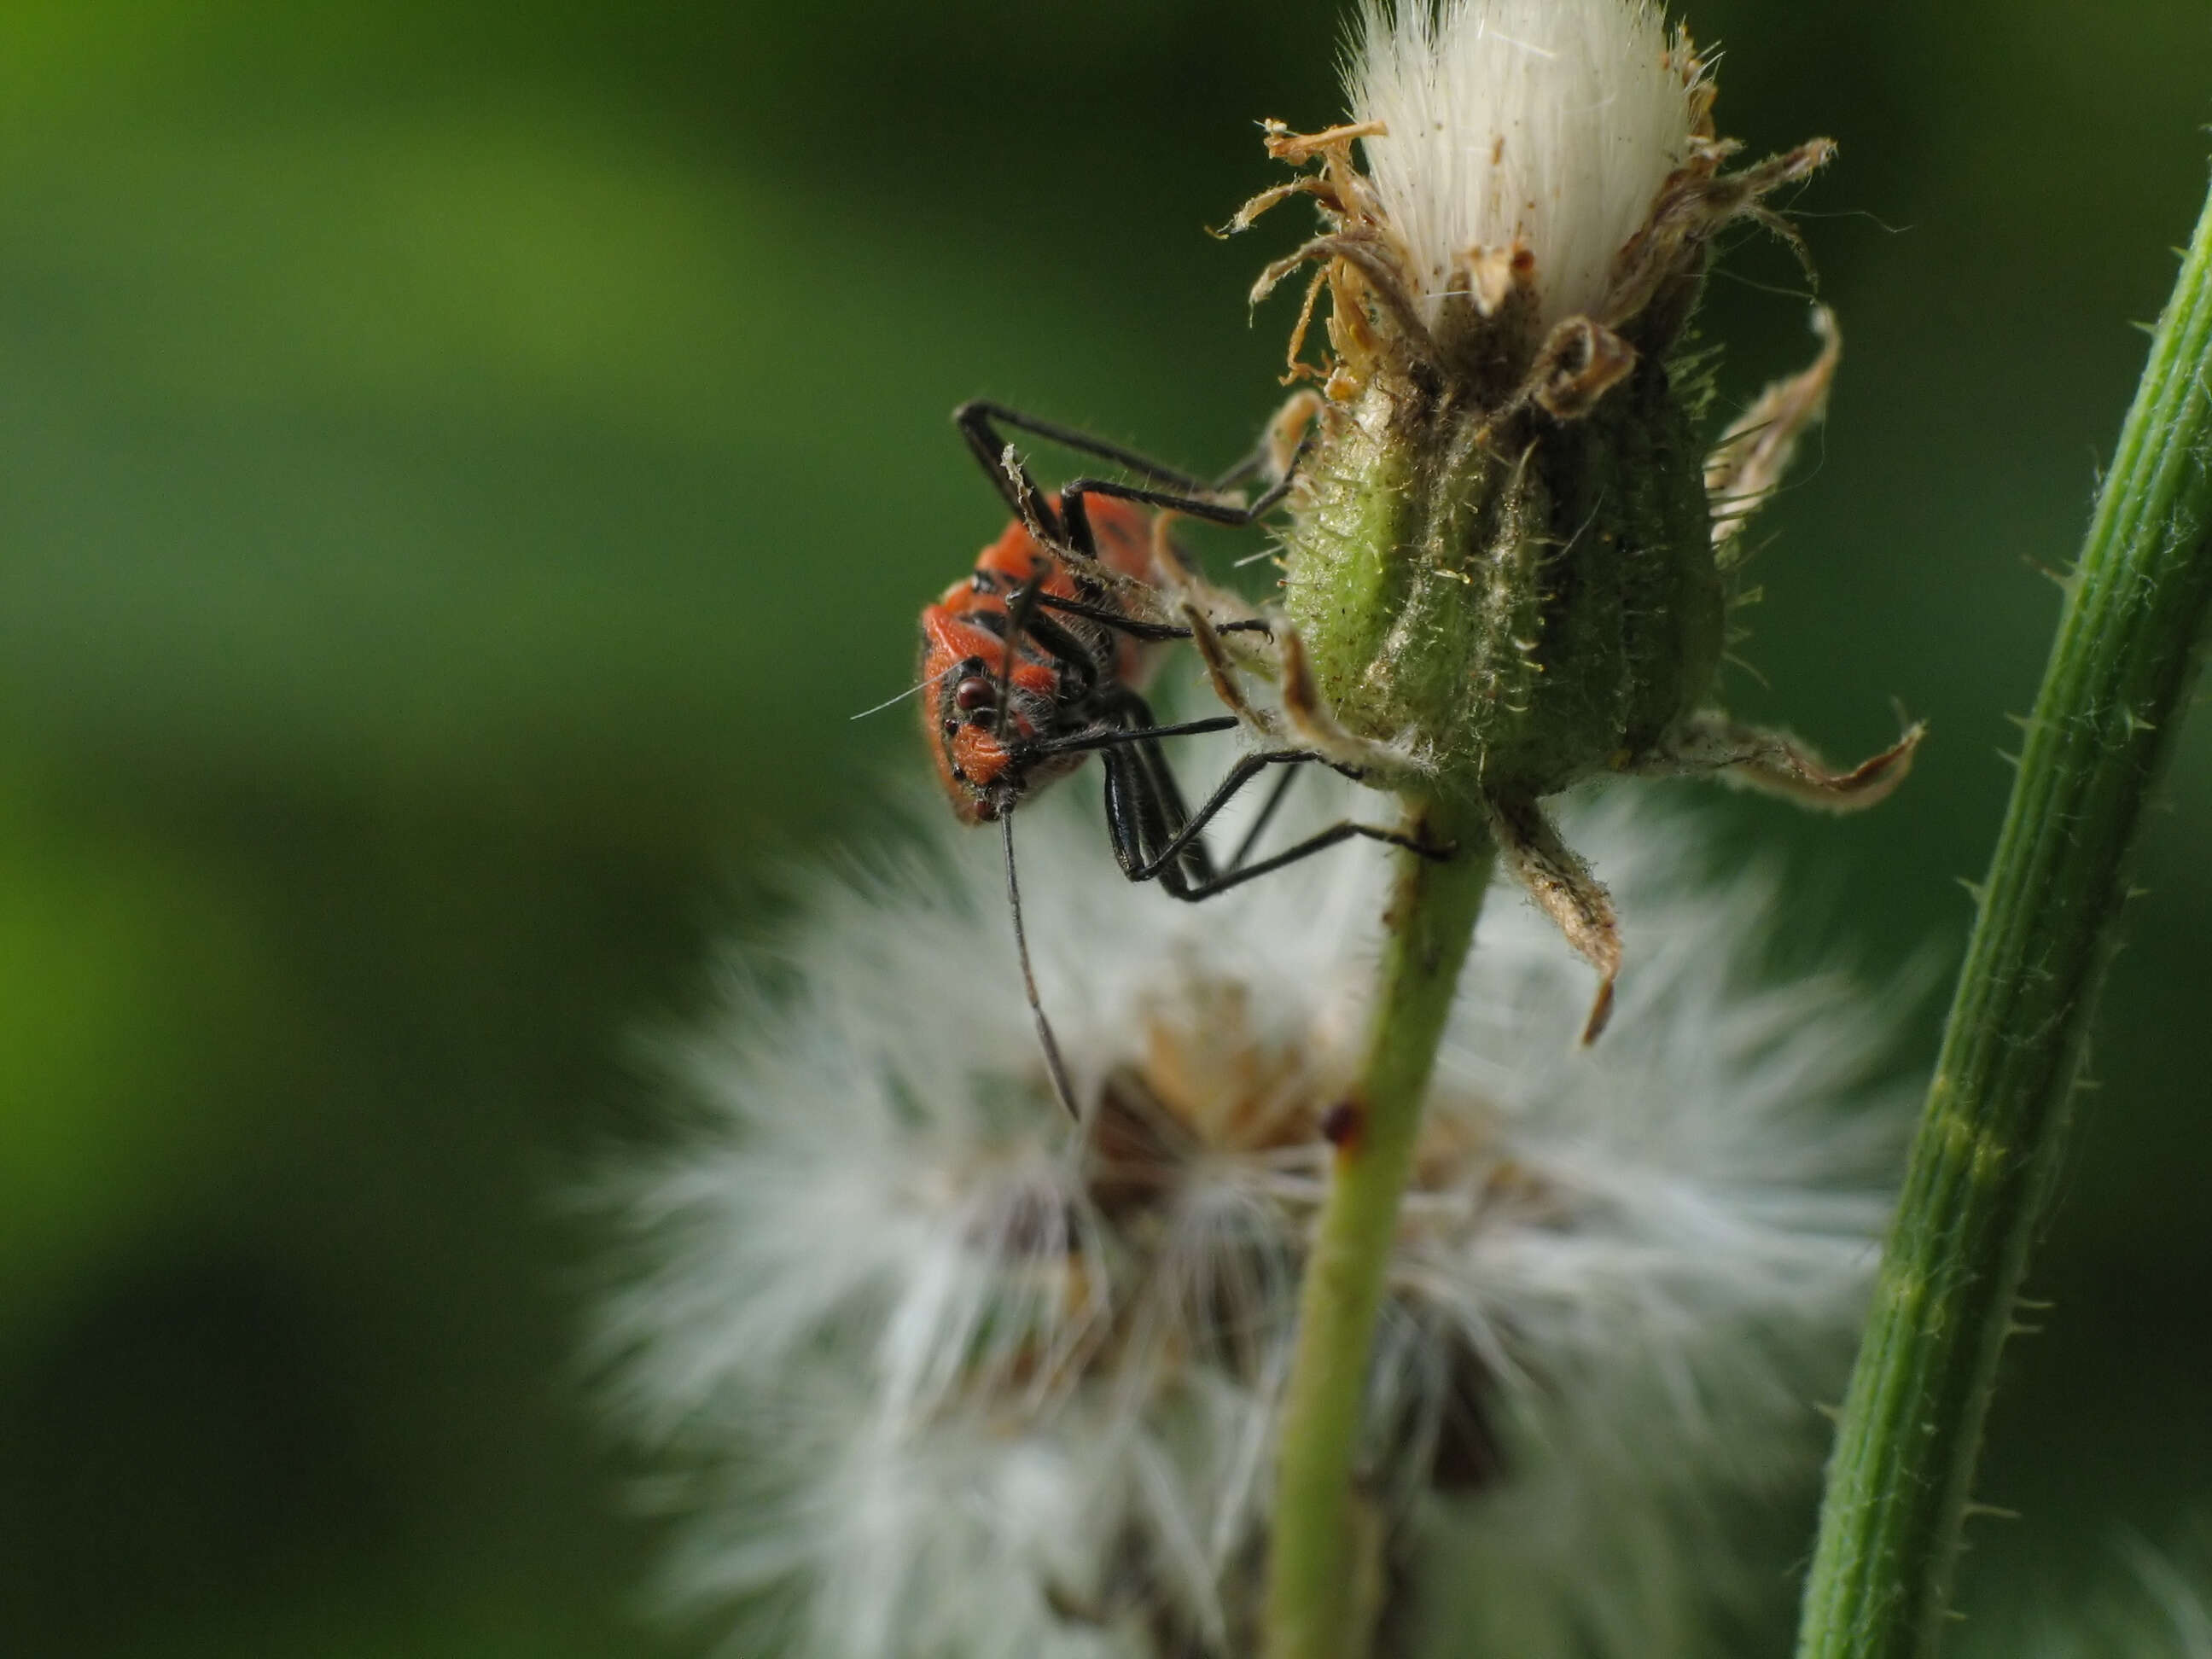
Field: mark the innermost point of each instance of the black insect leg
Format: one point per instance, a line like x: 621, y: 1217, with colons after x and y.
x: 1125, y: 737
x: 1147, y: 822
x: 1137, y: 629
x: 980, y: 419
x: 1155, y: 837
x: 1007, y: 473
x: 1267, y: 814
x: 1268, y: 456
x: 1165, y: 859
x: 1239, y: 871
x: 1145, y: 814
x: 979, y: 422
x: 1319, y: 842
x: 1076, y: 517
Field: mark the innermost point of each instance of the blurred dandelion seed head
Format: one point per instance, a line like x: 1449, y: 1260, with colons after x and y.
x: 949, y: 1376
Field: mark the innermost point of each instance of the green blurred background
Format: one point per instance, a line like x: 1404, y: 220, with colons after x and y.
x: 459, y: 468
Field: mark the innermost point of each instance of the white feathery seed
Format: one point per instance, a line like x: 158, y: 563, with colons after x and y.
x: 1548, y: 123
x: 942, y: 1384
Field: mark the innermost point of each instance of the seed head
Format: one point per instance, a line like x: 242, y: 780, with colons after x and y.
x: 943, y: 1376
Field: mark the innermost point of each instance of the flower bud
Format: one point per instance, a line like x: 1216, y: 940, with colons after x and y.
x: 1508, y: 565
x: 1522, y: 602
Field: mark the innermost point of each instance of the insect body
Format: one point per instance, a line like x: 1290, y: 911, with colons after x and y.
x: 1039, y: 656
x: 1062, y: 673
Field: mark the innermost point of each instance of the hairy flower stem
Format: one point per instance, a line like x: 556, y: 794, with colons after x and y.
x: 1996, y: 1118
x: 1321, y: 1583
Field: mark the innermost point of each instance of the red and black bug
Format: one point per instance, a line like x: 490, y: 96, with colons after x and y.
x: 1038, y: 658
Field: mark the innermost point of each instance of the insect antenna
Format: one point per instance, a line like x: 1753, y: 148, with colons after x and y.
x: 1053, y: 1063
x: 938, y: 678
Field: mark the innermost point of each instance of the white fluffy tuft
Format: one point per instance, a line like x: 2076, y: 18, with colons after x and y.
x: 1550, y: 123
x: 946, y: 1387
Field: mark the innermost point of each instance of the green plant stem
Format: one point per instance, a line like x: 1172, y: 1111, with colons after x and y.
x: 1990, y: 1136
x: 1316, y: 1569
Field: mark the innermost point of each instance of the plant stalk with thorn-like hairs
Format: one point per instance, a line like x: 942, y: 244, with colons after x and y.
x: 1995, y: 1123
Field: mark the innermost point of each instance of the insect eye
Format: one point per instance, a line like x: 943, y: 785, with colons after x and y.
x: 951, y: 728
x: 974, y: 697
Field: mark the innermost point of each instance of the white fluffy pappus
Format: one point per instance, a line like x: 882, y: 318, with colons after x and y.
x: 946, y: 1376
x: 1548, y: 124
